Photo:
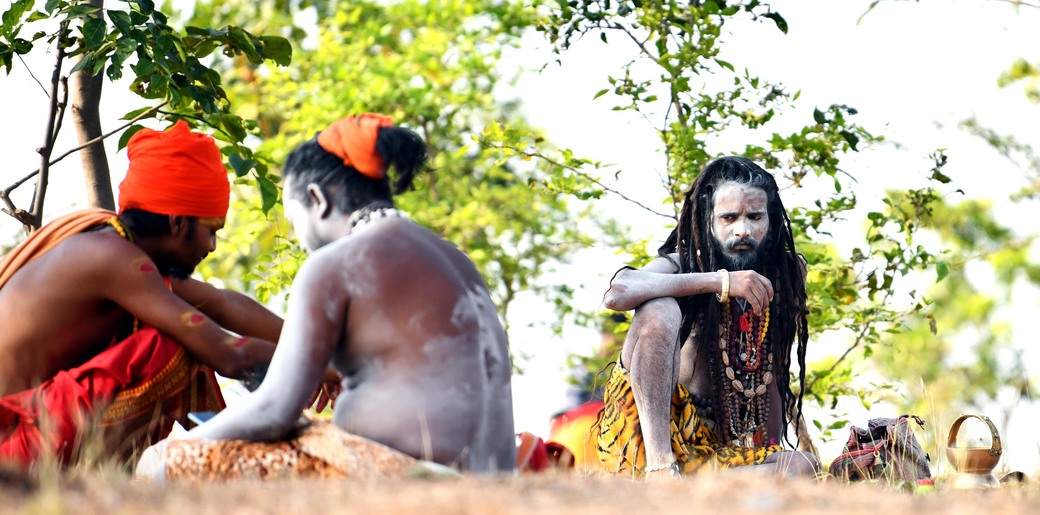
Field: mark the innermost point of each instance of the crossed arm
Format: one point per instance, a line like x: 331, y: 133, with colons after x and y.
x: 659, y: 279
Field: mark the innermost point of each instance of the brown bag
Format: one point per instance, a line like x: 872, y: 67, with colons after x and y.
x: 886, y: 449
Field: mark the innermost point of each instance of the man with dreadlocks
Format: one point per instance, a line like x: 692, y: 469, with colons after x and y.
x: 704, y: 373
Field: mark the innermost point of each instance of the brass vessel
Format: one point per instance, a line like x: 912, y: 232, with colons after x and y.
x: 974, y: 465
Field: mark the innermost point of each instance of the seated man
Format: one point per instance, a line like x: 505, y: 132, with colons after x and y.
x: 401, y: 313
x: 704, y: 372
x: 104, y: 334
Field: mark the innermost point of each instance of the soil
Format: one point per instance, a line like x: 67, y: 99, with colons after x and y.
x: 98, y: 492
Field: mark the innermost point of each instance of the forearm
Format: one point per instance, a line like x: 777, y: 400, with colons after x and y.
x: 252, y: 419
x: 632, y: 288
x: 247, y: 317
x: 248, y: 357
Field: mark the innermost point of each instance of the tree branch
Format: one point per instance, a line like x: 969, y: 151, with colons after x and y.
x: 6, y: 192
x: 589, y: 178
x: 31, y: 74
x: 53, y: 124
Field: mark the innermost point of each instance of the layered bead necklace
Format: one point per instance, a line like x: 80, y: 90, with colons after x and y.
x: 372, y: 212
x: 747, y: 369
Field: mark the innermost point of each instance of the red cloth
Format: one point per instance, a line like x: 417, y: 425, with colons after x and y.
x: 132, y: 392
x: 353, y: 139
x: 176, y: 172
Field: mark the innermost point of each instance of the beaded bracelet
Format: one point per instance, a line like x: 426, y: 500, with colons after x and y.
x: 723, y: 295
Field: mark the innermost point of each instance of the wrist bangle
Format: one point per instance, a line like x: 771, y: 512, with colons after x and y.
x: 723, y: 294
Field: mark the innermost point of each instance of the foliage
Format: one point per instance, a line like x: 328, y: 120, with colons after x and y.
x: 168, y: 65
x: 970, y: 361
x: 433, y: 66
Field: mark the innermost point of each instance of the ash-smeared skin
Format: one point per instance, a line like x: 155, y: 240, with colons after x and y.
x: 407, y: 319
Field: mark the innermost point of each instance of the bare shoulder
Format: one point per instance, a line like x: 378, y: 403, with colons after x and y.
x: 103, y: 252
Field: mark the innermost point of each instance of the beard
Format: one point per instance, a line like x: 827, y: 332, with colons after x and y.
x: 731, y: 259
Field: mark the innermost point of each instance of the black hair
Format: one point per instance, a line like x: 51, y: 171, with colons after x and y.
x: 692, y: 239
x: 348, y: 189
x: 145, y: 224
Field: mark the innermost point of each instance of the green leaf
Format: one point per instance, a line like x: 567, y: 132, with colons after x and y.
x: 145, y: 7
x: 85, y: 63
x: 819, y: 116
x: 241, y: 166
x: 941, y: 177
x: 278, y: 49
x: 81, y: 10
x: 268, y: 192
x: 204, y: 32
x: 135, y: 113
x: 120, y: 20
x: 128, y: 133
x: 233, y: 126
x: 51, y: 5
x: 942, y: 269
x: 240, y: 39
x: 601, y: 93
x: 851, y: 138
x: 94, y: 32
x: 780, y: 22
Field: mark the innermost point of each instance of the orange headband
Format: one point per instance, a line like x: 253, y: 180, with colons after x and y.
x: 353, y: 139
x: 176, y: 172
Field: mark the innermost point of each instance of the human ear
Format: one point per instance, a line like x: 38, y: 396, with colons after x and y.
x: 178, y: 224
x: 318, y: 200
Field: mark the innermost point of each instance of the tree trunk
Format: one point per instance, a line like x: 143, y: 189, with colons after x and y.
x: 86, y: 99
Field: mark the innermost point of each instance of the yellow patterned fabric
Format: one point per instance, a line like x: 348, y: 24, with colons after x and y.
x: 694, y: 440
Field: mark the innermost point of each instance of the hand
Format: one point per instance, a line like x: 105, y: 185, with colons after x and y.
x: 752, y: 287
x: 326, y: 396
x: 329, y: 389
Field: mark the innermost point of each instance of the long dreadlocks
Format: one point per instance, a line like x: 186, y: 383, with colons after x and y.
x: 692, y: 240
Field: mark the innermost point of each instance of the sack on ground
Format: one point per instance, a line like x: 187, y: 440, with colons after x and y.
x: 886, y: 449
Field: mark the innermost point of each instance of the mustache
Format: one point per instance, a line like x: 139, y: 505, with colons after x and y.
x: 749, y: 241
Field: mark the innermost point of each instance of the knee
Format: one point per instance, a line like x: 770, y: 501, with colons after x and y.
x: 657, y: 319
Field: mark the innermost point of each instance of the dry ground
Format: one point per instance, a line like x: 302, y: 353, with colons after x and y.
x: 545, y: 494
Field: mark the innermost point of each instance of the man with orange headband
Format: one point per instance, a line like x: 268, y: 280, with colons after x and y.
x: 400, y: 312
x: 106, y: 339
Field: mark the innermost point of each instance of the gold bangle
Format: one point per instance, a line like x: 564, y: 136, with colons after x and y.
x: 723, y: 295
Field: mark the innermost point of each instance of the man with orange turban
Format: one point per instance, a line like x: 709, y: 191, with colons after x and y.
x: 106, y: 339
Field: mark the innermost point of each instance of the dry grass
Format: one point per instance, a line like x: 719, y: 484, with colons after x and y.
x: 99, y: 492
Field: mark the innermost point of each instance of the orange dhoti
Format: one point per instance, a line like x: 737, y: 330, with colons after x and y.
x: 126, y: 397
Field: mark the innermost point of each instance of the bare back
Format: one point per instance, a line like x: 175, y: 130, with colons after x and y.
x: 424, y: 357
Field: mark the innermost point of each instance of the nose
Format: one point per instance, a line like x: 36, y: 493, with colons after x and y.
x: 740, y: 228
x: 212, y: 243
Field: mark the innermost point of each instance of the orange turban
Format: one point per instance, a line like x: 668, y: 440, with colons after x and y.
x: 176, y: 172
x: 353, y: 139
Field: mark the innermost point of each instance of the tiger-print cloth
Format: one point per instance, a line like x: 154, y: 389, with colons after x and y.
x: 694, y: 440
x: 320, y: 449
